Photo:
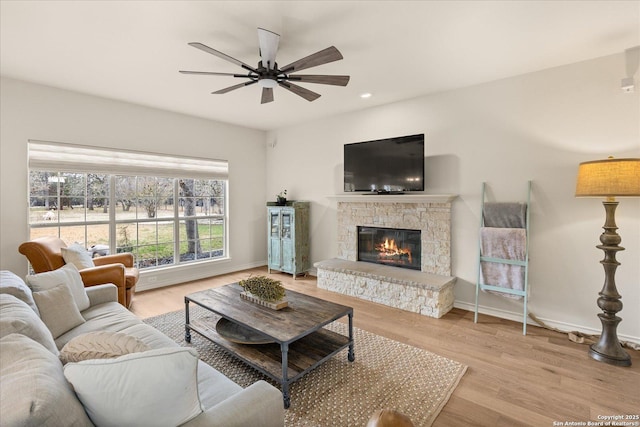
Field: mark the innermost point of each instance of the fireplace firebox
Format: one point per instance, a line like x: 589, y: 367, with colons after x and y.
x: 390, y: 246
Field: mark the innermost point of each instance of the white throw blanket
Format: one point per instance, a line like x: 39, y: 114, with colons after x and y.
x: 504, y: 243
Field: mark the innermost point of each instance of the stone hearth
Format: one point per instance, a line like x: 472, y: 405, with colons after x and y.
x: 424, y: 293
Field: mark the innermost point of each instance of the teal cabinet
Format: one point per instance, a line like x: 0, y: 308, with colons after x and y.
x: 288, y: 228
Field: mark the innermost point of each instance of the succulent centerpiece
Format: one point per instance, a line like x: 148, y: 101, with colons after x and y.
x: 264, y: 291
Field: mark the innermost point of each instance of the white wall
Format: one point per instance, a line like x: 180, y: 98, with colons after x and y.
x: 30, y: 111
x: 538, y: 127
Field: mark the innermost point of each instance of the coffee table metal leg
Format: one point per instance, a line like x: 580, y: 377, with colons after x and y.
x: 351, y: 356
x: 187, y: 331
x: 285, y: 375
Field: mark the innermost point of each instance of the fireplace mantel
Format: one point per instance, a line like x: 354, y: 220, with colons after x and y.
x: 394, y: 198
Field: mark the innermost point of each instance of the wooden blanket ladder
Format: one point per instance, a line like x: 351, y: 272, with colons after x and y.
x: 523, y: 263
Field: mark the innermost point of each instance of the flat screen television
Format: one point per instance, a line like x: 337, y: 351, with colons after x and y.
x: 385, y: 166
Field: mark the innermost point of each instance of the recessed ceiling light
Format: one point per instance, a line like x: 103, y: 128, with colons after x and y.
x: 365, y: 95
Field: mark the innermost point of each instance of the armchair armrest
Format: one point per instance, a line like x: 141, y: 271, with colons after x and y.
x: 259, y: 405
x: 99, y: 275
x: 125, y: 258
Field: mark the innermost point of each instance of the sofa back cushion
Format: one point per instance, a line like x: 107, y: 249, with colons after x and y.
x: 14, y: 285
x: 16, y: 317
x: 33, y: 388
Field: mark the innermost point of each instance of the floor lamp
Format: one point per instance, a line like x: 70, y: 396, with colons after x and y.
x: 609, y: 178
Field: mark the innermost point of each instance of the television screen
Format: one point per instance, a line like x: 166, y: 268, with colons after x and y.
x: 392, y: 165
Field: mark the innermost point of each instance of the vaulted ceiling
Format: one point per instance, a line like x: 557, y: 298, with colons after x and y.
x: 395, y: 50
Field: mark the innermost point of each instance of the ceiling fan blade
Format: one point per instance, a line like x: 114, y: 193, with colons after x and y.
x: 211, y: 73
x: 234, y: 87
x: 267, y: 95
x: 219, y: 54
x: 300, y: 91
x: 268, y: 41
x: 320, y: 79
x: 325, y: 56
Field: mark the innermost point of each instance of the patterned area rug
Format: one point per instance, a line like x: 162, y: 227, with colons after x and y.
x: 385, y: 374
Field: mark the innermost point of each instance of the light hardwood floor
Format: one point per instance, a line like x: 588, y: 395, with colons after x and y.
x: 512, y: 380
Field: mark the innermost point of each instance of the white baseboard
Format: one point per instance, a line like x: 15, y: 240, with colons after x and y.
x: 173, y: 275
x: 517, y: 317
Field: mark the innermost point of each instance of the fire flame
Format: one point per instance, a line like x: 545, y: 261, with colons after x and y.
x: 389, y: 249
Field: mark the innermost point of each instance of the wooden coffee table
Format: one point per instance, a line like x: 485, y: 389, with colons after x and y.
x: 300, y: 343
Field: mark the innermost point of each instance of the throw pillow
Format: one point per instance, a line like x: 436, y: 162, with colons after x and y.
x: 100, y: 345
x: 69, y: 275
x: 77, y: 255
x: 17, y: 317
x: 33, y: 388
x: 13, y: 285
x: 58, y: 310
x: 155, y: 388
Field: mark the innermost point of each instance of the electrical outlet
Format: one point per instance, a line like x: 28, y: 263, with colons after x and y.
x: 152, y: 279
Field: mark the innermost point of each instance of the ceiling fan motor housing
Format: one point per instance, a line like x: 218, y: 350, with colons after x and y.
x: 267, y: 78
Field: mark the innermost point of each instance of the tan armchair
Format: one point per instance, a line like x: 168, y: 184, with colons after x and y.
x: 44, y: 254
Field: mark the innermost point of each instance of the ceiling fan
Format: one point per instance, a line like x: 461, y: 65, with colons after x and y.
x: 268, y: 75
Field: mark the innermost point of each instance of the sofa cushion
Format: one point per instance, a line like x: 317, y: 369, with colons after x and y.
x: 214, y: 386
x: 109, y: 316
x: 100, y: 345
x: 33, y: 388
x: 14, y: 285
x: 58, y: 310
x: 77, y: 255
x: 68, y: 275
x: 115, y: 317
x: 117, y: 392
x: 17, y: 317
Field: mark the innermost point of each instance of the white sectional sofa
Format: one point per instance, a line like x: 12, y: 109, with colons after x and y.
x: 149, y: 387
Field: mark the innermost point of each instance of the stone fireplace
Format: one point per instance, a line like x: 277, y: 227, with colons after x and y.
x: 427, y: 286
x: 429, y: 214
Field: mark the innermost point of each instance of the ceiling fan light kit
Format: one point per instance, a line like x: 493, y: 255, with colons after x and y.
x: 268, y: 82
x: 268, y: 75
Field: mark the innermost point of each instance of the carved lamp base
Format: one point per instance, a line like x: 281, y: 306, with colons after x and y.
x: 608, y: 349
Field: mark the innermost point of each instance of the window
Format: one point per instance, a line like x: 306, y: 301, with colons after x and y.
x: 73, y: 206
x: 164, y: 220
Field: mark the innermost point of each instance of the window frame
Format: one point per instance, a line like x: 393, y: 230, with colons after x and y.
x: 39, y: 162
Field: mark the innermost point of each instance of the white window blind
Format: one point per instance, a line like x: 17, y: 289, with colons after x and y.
x: 45, y: 155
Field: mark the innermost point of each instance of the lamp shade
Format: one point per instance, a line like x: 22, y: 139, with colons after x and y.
x: 609, y: 178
